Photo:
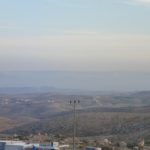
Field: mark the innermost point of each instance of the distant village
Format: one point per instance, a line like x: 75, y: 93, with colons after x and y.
x: 40, y: 142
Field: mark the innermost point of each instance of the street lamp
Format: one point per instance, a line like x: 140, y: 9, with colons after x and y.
x: 74, y: 103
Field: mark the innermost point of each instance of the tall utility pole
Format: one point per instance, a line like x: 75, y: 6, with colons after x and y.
x: 74, y: 103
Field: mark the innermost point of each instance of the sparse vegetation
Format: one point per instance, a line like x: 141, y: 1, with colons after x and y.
x: 51, y: 114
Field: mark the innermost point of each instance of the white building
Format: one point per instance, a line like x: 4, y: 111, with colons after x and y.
x: 20, y: 145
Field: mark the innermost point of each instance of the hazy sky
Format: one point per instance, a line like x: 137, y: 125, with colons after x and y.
x: 83, y: 35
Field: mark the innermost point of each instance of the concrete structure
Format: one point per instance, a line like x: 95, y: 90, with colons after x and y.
x: 20, y: 145
x: 93, y: 148
x: 51, y: 146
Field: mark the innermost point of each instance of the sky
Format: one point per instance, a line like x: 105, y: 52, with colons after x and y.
x: 75, y: 35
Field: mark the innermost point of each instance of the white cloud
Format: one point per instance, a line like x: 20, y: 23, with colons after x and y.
x: 136, y: 2
x: 143, y: 1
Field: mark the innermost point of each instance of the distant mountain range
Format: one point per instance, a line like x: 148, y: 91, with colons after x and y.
x: 27, y: 90
x: 88, y: 81
x: 15, y: 90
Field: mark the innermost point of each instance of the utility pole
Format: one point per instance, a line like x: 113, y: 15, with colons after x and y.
x: 74, y: 103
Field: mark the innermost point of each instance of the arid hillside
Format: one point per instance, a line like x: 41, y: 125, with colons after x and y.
x: 123, y: 115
